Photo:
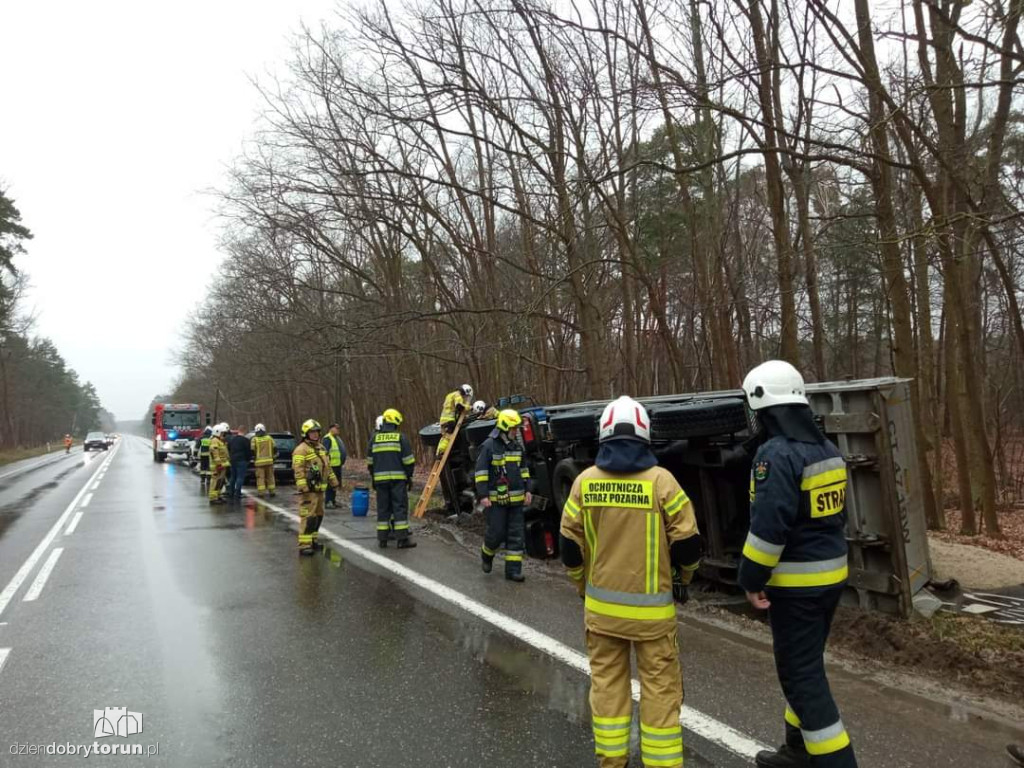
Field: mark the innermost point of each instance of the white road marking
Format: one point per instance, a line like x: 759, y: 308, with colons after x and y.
x: 85, y: 501
x: 44, y: 574
x: 96, y: 486
x: 4, y: 653
x: 693, y: 720
x: 74, y: 523
x: 19, y: 578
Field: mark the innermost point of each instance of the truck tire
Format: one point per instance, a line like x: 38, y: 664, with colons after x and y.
x: 477, y: 431
x: 158, y: 457
x: 430, y: 435
x: 703, y: 418
x: 562, y: 479
x: 574, y: 426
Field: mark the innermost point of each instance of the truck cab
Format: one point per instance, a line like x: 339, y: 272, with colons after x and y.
x: 175, y: 428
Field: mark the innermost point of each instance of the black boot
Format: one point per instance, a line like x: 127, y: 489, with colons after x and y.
x: 382, y: 543
x: 1016, y: 751
x: 516, y: 576
x: 406, y: 544
x: 784, y: 757
x: 486, y: 563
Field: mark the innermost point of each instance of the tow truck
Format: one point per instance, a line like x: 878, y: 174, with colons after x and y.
x: 707, y: 440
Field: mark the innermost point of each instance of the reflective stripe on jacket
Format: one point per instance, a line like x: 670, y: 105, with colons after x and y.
x: 306, y: 457
x: 389, y: 456
x: 218, y: 453
x: 499, y: 459
x: 452, y: 401
x: 797, y: 535
x: 625, y: 526
x: 204, y: 447
x: 263, y: 450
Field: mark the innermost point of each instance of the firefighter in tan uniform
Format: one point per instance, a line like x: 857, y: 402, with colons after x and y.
x: 312, y: 467
x: 263, y: 450
x: 455, y: 403
x: 629, y: 540
x: 219, y: 463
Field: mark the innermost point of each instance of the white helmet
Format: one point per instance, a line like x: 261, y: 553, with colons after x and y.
x: 479, y: 407
x: 219, y: 430
x: 625, y: 418
x: 467, y: 391
x: 378, y: 423
x: 260, y: 428
x: 775, y: 382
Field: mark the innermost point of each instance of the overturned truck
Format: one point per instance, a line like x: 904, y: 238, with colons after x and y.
x: 707, y: 441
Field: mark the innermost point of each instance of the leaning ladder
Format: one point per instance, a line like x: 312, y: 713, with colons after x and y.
x: 435, y: 472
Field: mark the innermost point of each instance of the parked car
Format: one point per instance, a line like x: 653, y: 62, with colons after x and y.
x: 95, y: 441
x: 284, y: 444
x: 707, y: 440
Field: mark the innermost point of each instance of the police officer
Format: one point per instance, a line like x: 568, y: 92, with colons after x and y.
x: 794, y: 561
x: 219, y: 463
x: 263, y: 449
x: 203, y: 449
x: 390, y: 460
x: 627, y: 526
x: 336, y: 450
x: 503, y: 488
x: 313, y: 474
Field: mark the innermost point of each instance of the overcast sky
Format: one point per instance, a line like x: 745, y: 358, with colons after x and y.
x: 114, y: 117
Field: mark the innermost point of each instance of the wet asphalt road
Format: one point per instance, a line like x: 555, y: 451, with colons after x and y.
x: 237, y: 652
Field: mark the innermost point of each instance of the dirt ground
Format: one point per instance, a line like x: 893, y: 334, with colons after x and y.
x: 1011, y: 522
x: 974, y: 566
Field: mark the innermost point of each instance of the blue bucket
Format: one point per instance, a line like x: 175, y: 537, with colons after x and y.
x: 360, y: 501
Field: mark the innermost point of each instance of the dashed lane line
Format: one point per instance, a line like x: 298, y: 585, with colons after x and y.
x: 4, y: 653
x: 74, y: 523
x: 691, y: 719
x: 44, y: 574
x: 85, y: 501
x: 19, y: 578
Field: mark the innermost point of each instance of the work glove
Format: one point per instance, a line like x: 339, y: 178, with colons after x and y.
x: 680, y: 591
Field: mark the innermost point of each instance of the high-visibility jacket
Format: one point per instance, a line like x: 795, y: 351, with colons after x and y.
x: 797, y: 537
x: 501, y: 474
x: 312, y: 467
x: 218, y: 453
x: 451, y: 403
x: 389, y: 456
x: 263, y: 450
x: 67, y: 441
x: 204, y: 447
x: 335, y: 449
x: 627, y: 526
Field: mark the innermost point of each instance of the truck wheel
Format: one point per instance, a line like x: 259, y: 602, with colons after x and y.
x: 159, y: 456
x: 562, y: 479
x: 430, y: 435
x: 574, y: 426
x: 477, y: 431
x: 703, y: 418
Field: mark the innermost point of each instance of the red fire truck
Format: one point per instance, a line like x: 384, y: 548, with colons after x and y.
x: 175, y: 428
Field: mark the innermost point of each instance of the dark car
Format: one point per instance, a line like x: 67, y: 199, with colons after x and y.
x: 284, y: 444
x: 95, y: 441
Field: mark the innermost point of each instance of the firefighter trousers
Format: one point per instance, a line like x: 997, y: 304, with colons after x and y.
x: 311, y: 515
x: 611, y: 699
x: 392, y: 509
x: 265, y: 479
x: 204, y: 469
x: 506, y: 525
x: 800, y: 627
x: 218, y: 479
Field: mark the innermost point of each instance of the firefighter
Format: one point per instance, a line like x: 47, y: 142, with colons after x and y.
x: 482, y: 411
x: 219, y: 463
x: 630, y: 543
x: 390, y: 461
x: 203, y: 450
x: 263, y: 450
x: 67, y: 443
x: 794, y: 561
x: 312, y: 467
x: 455, y: 403
x: 336, y: 450
x: 503, y: 489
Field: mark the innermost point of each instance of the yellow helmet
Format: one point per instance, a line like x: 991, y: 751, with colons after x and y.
x: 392, y: 416
x: 508, y: 419
x: 310, y: 425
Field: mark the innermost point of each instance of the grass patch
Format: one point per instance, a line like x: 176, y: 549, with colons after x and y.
x: 20, y: 454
